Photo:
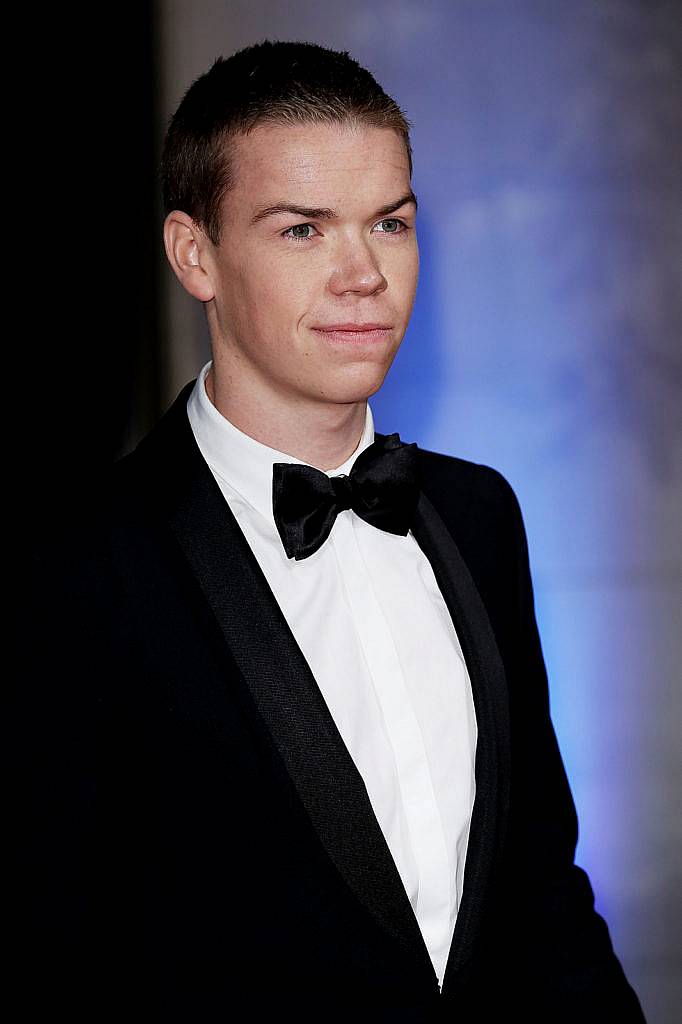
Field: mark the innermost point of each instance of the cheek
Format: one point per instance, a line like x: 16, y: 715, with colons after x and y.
x: 409, y: 269
x: 289, y: 292
x: 251, y: 293
x: 269, y: 302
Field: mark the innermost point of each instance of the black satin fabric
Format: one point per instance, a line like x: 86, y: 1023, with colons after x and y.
x: 382, y: 488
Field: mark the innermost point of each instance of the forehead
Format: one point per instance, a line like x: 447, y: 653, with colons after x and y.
x: 318, y: 164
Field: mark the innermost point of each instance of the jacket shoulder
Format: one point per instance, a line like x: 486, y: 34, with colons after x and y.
x: 464, y: 490
x: 481, y: 512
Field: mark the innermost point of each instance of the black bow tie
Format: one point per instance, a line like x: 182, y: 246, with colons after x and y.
x: 383, y: 488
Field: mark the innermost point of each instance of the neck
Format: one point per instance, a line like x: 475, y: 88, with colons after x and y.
x: 323, y: 435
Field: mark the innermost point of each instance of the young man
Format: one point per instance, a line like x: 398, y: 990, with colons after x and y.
x: 305, y: 762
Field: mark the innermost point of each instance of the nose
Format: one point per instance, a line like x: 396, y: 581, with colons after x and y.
x: 356, y: 270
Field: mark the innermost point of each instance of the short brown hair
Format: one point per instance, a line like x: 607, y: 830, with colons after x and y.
x: 267, y: 83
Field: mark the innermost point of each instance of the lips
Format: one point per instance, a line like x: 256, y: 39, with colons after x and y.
x: 352, y: 328
x: 355, y: 334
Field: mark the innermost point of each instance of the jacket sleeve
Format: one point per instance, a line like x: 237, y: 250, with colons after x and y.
x: 562, y: 966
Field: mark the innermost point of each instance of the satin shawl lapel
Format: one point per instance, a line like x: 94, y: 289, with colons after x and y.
x: 277, y: 674
x: 490, y: 700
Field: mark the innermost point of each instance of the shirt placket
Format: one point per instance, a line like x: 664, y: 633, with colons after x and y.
x: 424, y: 823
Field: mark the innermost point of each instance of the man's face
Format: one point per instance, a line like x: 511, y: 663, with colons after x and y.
x: 346, y: 257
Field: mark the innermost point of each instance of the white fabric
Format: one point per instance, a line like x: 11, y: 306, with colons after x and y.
x: 368, y: 615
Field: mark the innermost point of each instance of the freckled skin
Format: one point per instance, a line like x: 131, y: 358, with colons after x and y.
x: 270, y: 291
x: 274, y: 376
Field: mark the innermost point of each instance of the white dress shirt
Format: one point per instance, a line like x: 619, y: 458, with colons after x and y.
x: 368, y: 615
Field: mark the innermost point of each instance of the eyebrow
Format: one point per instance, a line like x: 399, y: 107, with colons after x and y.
x: 323, y: 212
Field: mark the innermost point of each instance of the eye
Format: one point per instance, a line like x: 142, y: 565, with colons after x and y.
x: 296, y: 232
x: 392, y: 226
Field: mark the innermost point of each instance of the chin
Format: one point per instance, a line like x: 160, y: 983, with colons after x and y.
x: 357, y: 387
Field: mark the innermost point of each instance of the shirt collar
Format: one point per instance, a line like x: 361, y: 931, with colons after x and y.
x: 241, y: 461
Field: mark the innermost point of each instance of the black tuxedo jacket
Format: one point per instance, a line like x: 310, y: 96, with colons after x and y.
x: 199, y: 845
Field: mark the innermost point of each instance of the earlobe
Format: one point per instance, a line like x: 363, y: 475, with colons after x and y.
x: 185, y: 245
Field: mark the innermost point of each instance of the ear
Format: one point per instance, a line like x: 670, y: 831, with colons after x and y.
x: 187, y: 252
